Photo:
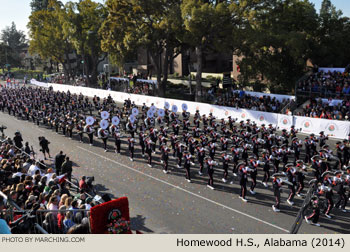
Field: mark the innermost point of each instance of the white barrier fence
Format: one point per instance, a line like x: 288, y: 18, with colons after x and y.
x: 332, y: 128
x: 278, y: 97
x: 40, y: 84
x: 331, y: 69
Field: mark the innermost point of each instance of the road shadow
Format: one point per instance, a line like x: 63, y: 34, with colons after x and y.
x: 138, y: 223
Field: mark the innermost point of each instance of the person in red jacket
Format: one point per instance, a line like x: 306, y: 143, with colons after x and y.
x: 82, y: 183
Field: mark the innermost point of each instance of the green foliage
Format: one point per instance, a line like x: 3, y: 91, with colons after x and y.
x: 37, y: 5
x: 210, y: 26
x: 277, y: 41
x: 81, y: 26
x: 46, y: 34
x: 274, y: 37
x: 12, y: 42
x: 152, y: 25
x: 332, y: 36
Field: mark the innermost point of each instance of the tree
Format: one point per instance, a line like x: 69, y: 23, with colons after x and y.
x: 37, y: 5
x: 14, y: 41
x: 153, y: 25
x: 5, y: 56
x: 209, y: 25
x: 332, y: 37
x: 47, y: 37
x: 81, y: 27
x: 278, y: 39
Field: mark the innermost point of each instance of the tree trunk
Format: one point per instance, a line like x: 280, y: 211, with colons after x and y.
x: 69, y: 67
x: 199, y: 74
x: 66, y: 73
x: 163, y: 84
x: 87, y: 70
x: 155, y: 60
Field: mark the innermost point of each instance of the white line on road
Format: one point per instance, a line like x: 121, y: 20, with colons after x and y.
x: 189, y: 192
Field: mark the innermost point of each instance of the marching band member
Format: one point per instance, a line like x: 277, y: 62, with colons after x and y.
x: 131, y: 128
x: 277, y: 185
x: 165, y: 158
x: 225, y: 163
x: 253, y: 164
x: 315, y: 215
x: 243, y: 170
x: 176, y: 127
x: 266, y: 159
x: 173, y: 140
x: 179, y: 153
x: 291, y: 175
x: 149, y: 149
x: 117, y: 141
x: 210, y: 164
x: 131, y: 142
x: 338, y: 183
x: 322, y: 139
x: 187, y: 165
x: 90, y: 132
x: 103, y: 134
x: 142, y: 137
x: 201, y: 157
x: 80, y: 130
x: 327, y: 190
x: 212, y: 149
x: 300, y: 177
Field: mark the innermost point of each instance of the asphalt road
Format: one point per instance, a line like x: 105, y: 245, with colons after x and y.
x: 167, y: 203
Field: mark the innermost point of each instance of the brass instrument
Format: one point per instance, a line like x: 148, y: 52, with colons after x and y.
x: 105, y: 132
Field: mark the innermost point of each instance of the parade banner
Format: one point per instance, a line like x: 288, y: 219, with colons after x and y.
x: 332, y: 128
x: 307, y: 124
x: 337, y: 129
x: 285, y: 121
x: 260, y: 117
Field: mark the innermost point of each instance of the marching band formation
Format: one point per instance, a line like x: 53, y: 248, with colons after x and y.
x: 237, y: 150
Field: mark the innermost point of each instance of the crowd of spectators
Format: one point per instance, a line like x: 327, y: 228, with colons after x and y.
x: 326, y: 84
x: 32, y: 185
x: 327, y: 109
x: 246, y: 101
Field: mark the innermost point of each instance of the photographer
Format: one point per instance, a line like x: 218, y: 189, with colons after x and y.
x: 44, y: 144
x: 18, y: 140
x: 2, y: 128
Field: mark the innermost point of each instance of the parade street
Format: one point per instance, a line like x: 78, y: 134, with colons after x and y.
x: 167, y: 203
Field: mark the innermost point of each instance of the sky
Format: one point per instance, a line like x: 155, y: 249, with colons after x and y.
x: 18, y: 11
